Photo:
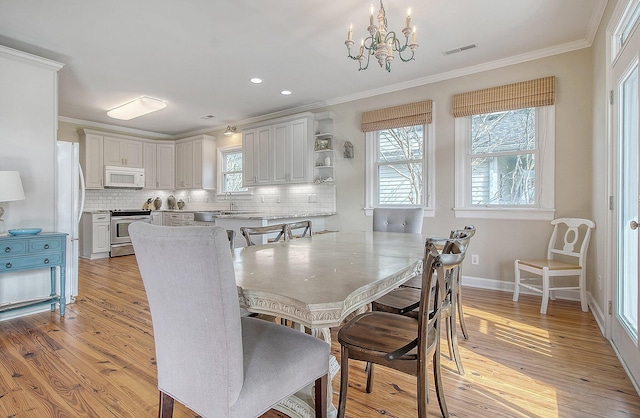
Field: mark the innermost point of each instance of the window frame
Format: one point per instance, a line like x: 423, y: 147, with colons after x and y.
x: 428, y: 171
x: 221, y: 152
x: 544, y: 207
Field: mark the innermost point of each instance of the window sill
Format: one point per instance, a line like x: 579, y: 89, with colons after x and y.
x: 525, y: 214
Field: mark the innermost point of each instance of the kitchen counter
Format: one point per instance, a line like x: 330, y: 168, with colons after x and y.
x: 272, y: 216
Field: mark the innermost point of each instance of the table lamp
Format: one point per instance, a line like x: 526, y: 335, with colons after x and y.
x: 10, y: 190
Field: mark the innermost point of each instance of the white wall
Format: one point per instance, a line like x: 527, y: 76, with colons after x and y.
x: 28, y: 118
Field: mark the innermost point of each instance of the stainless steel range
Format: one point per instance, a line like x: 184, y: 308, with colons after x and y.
x: 120, y: 220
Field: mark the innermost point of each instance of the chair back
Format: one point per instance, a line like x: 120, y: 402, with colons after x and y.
x: 305, y: 226
x: 231, y: 234
x: 189, y: 280
x: 570, y: 237
x: 280, y: 231
x: 407, y: 220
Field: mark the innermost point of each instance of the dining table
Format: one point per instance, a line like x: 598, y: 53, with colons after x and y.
x: 321, y: 281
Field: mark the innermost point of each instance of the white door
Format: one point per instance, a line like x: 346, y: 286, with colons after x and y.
x: 626, y: 128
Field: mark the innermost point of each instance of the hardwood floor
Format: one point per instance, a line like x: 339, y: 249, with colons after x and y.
x: 99, y: 360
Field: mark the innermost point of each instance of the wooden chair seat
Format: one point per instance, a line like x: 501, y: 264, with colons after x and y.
x: 550, y: 264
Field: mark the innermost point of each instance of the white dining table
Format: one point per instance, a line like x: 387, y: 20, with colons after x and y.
x: 319, y: 282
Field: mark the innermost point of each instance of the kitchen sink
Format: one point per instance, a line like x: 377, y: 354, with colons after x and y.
x: 205, y: 216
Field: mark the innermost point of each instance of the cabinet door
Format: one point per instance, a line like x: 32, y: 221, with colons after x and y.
x: 281, y: 150
x: 101, y: 237
x: 263, y: 155
x: 92, y: 160
x: 197, y: 164
x: 248, y: 158
x: 132, y: 153
x: 165, y: 166
x: 112, y: 154
x: 298, y: 166
x: 150, y: 165
x: 180, y: 165
x: 188, y: 165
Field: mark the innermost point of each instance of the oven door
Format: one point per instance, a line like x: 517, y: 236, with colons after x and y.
x: 120, y: 240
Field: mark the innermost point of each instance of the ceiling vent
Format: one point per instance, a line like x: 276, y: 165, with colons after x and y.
x: 208, y: 117
x: 456, y: 50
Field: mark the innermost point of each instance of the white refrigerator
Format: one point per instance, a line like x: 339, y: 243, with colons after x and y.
x: 70, y: 195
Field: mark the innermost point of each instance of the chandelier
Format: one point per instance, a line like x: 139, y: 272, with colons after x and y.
x: 382, y: 43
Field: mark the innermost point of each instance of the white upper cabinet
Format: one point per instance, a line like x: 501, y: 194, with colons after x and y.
x: 159, y: 165
x: 195, y: 158
x: 122, y: 152
x: 91, y: 158
x: 277, y: 153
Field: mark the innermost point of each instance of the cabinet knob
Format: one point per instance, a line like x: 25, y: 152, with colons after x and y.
x: 7, y: 249
x: 46, y: 261
x: 8, y: 265
x: 46, y: 246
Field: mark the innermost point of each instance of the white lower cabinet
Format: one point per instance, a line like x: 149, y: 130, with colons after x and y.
x: 177, y: 219
x: 95, y: 235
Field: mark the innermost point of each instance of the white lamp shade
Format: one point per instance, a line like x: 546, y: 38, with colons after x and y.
x: 10, y: 186
x: 136, y: 108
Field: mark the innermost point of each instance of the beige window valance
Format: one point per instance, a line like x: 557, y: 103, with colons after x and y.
x: 418, y: 113
x: 532, y: 93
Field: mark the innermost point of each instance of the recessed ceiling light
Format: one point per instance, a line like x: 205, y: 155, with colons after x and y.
x: 256, y: 80
x: 138, y: 107
x: 285, y: 92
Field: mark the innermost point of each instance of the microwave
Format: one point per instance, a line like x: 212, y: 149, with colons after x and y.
x: 123, y: 177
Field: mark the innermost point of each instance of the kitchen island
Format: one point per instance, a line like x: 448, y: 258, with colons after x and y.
x: 237, y: 220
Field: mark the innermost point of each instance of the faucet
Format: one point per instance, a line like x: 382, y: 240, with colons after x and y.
x: 229, y: 196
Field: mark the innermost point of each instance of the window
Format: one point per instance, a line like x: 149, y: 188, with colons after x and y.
x: 630, y: 14
x: 230, y: 169
x: 399, y: 168
x: 505, y: 164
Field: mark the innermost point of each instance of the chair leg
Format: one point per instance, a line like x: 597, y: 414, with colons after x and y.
x: 437, y: 374
x: 344, y: 380
x: 545, y: 291
x: 165, y: 406
x: 452, y: 336
x: 423, y: 393
x: 321, y: 397
x: 583, y: 292
x: 463, y: 325
x: 369, y: 370
x: 516, y: 289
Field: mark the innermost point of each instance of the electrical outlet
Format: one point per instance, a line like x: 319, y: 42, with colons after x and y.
x: 261, y: 199
x: 277, y: 198
x: 475, y: 259
x: 312, y: 198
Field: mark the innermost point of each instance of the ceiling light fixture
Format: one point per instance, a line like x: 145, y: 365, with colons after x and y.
x: 230, y: 130
x: 256, y: 80
x: 285, y: 92
x: 138, y: 107
x: 381, y: 42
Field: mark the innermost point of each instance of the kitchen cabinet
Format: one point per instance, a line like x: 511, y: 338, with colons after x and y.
x: 256, y: 161
x: 92, y: 158
x: 195, y: 158
x: 122, y: 152
x: 159, y: 165
x: 277, y: 153
x: 95, y: 235
x: 156, y: 218
x: 178, y: 219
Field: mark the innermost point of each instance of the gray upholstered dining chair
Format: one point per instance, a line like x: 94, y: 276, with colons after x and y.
x: 209, y: 358
x: 407, y: 220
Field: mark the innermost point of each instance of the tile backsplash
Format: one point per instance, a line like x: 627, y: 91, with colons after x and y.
x: 303, y: 198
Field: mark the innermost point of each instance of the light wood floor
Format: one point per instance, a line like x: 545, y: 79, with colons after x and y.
x: 99, y: 360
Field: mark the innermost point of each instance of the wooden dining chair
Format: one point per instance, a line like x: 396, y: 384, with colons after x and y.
x: 406, y: 300
x: 209, y: 358
x: 265, y: 233
x: 305, y: 226
x: 402, y: 342
x: 566, y: 257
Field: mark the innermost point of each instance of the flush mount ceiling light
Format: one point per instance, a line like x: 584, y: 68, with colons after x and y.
x: 138, y: 107
x: 382, y: 43
x: 230, y: 130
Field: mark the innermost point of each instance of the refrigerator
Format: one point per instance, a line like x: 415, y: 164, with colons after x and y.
x: 69, y: 195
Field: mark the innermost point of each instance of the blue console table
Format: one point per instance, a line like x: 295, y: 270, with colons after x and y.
x: 30, y: 252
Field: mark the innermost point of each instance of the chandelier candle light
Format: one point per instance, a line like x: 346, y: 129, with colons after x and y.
x: 382, y: 42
